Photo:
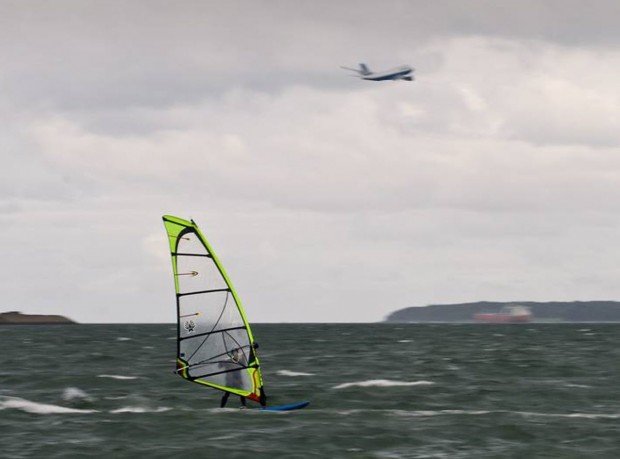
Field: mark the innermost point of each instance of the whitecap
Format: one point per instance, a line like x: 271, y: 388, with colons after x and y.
x: 226, y: 410
x: 225, y: 437
x: 405, y: 341
x: 38, y: 408
x: 571, y: 415
x: 121, y: 377
x: 593, y: 415
x: 382, y: 383
x: 140, y: 409
x: 73, y: 393
x: 416, y: 413
x: 471, y: 412
x: 293, y: 373
x: 123, y: 338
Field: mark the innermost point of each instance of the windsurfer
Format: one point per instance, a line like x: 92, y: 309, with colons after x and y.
x: 233, y: 378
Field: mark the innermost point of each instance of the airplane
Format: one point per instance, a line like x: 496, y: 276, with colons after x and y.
x: 399, y: 73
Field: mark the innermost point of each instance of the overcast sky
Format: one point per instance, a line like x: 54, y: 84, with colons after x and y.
x: 495, y: 175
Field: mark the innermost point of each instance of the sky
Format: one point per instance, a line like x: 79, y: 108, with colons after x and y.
x: 495, y: 175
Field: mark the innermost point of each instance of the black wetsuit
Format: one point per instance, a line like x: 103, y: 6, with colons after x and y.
x: 234, y: 381
x: 225, y: 399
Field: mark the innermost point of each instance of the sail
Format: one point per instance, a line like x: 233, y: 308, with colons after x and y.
x: 215, y: 346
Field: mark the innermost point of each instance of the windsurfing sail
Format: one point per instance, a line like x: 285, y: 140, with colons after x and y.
x: 215, y: 346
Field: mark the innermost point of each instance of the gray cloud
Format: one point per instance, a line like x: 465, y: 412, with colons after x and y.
x: 493, y: 176
x: 69, y: 55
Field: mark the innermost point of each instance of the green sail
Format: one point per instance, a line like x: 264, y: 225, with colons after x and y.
x: 215, y: 346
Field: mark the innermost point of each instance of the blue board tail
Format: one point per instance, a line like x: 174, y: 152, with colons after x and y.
x: 288, y: 407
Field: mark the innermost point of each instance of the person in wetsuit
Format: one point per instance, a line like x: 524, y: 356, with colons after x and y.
x: 234, y: 378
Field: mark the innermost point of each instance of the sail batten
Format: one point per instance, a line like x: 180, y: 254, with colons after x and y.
x: 213, y: 332
x: 209, y: 308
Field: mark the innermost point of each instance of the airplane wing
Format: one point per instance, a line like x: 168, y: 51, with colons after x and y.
x: 349, y: 68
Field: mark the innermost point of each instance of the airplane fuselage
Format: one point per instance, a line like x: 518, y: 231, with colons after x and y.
x: 401, y: 73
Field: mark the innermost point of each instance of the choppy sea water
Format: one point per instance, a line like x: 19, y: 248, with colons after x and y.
x: 376, y: 390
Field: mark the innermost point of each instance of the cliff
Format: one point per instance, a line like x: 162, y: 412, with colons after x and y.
x: 571, y: 311
x: 17, y: 318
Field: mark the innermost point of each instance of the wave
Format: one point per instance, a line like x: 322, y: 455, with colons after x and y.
x: 382, y: 383
x: 570, y: 415
x: 122, y: 377
x: 520, y: 413
x: 293, y: 373
x: 414, y: 413
x: 405, y: 341
x: 417, y: 413
x: 140, y: 409
x: 123, y: 338
x: 73, y: 393
x: 580, y: 386
x: 17, y: 403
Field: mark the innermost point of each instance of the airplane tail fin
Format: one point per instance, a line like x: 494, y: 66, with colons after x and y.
x: 364, y: 70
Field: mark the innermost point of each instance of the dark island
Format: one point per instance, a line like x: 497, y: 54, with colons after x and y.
x: 550, y: 312
x: 17, y: 318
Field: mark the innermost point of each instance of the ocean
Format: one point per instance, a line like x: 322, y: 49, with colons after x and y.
x: 376, y: 391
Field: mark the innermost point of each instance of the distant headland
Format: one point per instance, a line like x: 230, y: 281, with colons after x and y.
x: 17, y: 318
x: 490, y: 311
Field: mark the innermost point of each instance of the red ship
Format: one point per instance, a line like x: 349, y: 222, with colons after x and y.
x: 507, y: 315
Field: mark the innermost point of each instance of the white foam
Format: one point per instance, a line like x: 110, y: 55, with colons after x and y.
x: 521, y: 413
x: 225, y: 410
x: 121, y: 377
x: 38, y: 408
x: 123, y: 338
x: 472, y: 412
x: 571, y: 415
x: 140, y: 409
x: 293, y: 373
x: 73, y: 393
x: 405, y: 341
x: 593, y: 415
x: 383, y: 383
x: 416, y: 413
